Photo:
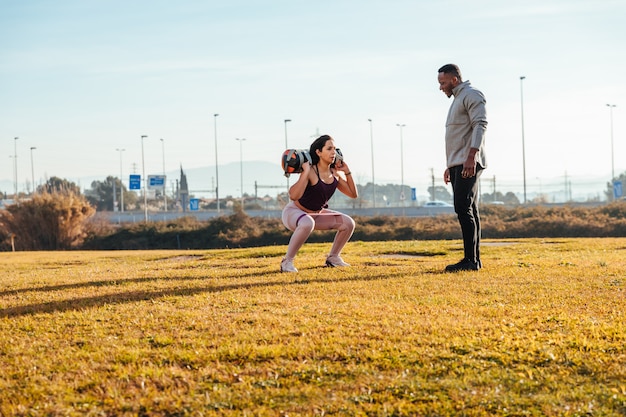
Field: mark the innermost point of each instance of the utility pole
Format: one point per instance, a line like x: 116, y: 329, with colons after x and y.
x: 32, y: 168
x: 287, y: 147
x: 120, y: 150
x: 145, y: 183
x: 521, y: 86
x: 432, y: 179
x: 164, y: 182
x: 372, y: 151
x: 15, y: 168
x: 217, y: 178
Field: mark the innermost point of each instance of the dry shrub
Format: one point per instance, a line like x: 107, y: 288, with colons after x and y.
x: 240, y: 230
x: 236, y: 230
x: 48, y: 221
x: 406, y: 228
x: 564, y: 221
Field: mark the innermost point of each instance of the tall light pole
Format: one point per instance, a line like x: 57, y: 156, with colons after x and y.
x: 15, y: 168
x: 611, y: 106
x: 401, y: 126
x: 287, y: 147
x: 521, y: 86
x: 372, y: 147
x: 286, y: 121
x: 145, y: 183
x: 121, y: 181
x: 11, y: 158
x: 217, y: 181
x: 164, y: 191
x: 240, y: 140
x: 32, y: 167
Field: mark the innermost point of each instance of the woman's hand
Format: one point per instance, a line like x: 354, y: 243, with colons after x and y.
x: 342, y: 166
x: 346, y: 186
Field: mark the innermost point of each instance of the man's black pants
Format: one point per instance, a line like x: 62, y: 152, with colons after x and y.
x: 465, y: 193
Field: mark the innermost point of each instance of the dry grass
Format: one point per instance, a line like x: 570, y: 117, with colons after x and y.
x: 539, y: 331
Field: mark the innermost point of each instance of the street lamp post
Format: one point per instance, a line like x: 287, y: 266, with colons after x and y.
x: 372, y: 148
x: 217, y: 181
x: 164, y: 191
x: 287, y: 147
x: 611, y: 106
x: 286, y: 121
x: 121, y: 181
x: 11, y: 158
x: 401, y: 126
x: 521, y: 84
x: 145, y: 183
x: 15, y: 168
x: 240, y: 140
x: 32, y: 168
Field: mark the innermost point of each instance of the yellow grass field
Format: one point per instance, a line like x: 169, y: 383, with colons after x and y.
x: 539, y: 331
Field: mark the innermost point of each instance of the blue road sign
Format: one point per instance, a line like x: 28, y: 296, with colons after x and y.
x: 135, y: 182
x: 194, y: 204
x: 156, y: 180
x: 413, y: 194
x: 617, y: 189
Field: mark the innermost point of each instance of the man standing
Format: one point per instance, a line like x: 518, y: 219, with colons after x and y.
x: 465, y: 140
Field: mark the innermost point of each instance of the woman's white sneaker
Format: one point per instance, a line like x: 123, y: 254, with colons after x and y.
x: 336, y: 261
x: 286, y: 265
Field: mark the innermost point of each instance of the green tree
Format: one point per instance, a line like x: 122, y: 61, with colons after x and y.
x: 441, y: 193
x: 101, y: 194
x: 508, y: 198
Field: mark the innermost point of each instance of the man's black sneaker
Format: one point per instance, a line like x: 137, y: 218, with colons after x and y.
x: 463, y: 265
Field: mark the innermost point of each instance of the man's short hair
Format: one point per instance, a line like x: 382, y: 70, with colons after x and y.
x: 451, y: 69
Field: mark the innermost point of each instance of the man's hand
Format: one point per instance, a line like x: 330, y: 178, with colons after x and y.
x: 469, y: 166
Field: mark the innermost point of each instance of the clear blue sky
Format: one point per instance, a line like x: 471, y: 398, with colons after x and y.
x: 80, y: 78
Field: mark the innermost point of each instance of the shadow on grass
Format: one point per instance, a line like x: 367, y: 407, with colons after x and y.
x: 134, y: 296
